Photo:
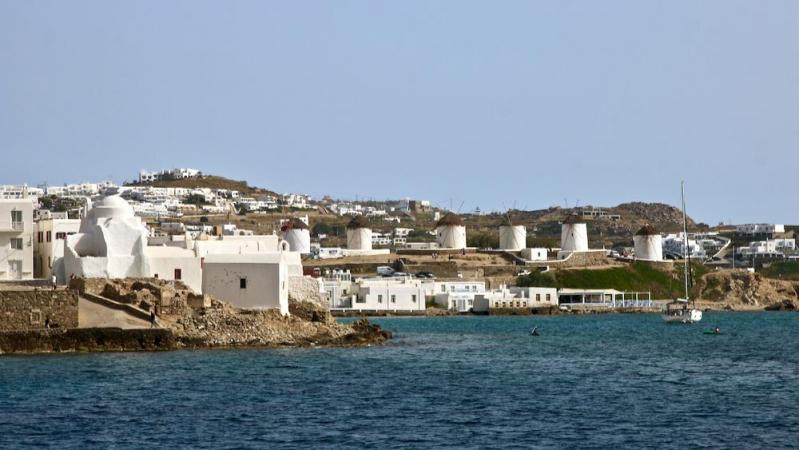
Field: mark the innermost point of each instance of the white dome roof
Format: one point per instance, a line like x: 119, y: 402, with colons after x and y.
x: 113, y: 206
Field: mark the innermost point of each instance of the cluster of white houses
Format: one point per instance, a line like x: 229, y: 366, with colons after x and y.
x: 110, y: 241
x: 407, y: 294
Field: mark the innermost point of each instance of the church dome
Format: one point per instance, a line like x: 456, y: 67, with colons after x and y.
x: 112, y: 206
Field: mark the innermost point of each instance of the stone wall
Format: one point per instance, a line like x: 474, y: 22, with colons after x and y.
x: 167, y: 297
x: 307, y: 289
x: 87, y: 340
x: 29, y: 309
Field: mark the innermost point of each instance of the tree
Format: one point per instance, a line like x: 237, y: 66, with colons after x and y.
x: 196, y: 199
x: 536, y: 279
x: 482, y: 239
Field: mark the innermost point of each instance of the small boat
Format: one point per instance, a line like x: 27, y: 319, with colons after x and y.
x: 534, y: 332
x: 678, y: 310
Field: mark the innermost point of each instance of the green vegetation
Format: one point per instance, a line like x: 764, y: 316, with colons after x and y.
x: 482, y: 239
x: 786, y: 270
x: 196, y: 200
x: 638, y: 277
x: 540, y: 242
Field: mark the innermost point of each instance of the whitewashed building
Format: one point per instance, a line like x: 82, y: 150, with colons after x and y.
x: 760, y: 228
x: 515, y: 298
x: 16, y: 239
x: 457, y: 295
x: 390, y: 295
x: 48, y: 252
x: 252, y: 281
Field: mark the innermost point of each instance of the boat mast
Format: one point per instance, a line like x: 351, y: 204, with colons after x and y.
x: 686, y: 250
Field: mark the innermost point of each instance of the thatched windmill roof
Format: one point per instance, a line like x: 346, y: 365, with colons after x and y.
x: 573, y: 218
x: 358, y: 222
x: 294, y: 224
x: 647, y: 230
x: 449, y: 220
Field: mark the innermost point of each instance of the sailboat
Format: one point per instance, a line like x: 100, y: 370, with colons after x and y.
x: 679, y: 311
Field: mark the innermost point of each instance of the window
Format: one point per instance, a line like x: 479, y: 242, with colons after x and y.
x: 178, y: 274
x: 379, y: 298
x: 49, y: 236
x: 393, y: 298
x: 547, y: 297
x: 16, y: 244
x: 16, y: 216
x: 413, y: 298
x: 538, y: 297
x: 61, y: 235
x: 242, y: 283
x: 40, y: 237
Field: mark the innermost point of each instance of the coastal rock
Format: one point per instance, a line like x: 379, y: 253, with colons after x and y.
x: 740, y: 289
x: 785, y: 305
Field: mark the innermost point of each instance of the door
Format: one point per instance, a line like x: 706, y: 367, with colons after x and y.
x: 15, y: 270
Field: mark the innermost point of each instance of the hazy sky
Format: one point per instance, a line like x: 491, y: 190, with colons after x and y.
x: 490, y: 103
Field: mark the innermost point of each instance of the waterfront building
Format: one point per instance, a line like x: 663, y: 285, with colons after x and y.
x: 250, y: 281
x: 456, y: 295
x: 48, y: 251
x: 515, y: 298
x: 16, y: 239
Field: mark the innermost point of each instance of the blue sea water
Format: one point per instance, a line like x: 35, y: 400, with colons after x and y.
x: 608, y: 381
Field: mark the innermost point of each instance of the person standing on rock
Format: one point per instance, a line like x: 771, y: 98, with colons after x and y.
x: 54, y: 281
x: 152, y: 318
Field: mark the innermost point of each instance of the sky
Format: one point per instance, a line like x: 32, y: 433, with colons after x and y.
x: 524, y: 104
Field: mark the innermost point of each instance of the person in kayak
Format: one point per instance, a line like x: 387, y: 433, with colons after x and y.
x: 717, y: 330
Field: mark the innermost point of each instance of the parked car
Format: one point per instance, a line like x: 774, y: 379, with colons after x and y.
x: 385, y: 271
x: 428, y: 275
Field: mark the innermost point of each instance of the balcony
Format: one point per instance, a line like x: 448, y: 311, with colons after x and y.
x: 14, y: 227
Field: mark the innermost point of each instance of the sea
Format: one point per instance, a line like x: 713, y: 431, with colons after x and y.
x: 593, y: 381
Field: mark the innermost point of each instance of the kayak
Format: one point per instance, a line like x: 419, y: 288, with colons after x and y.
x: 710, y: 332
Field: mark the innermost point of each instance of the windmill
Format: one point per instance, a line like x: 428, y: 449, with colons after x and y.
x: 512, y: 237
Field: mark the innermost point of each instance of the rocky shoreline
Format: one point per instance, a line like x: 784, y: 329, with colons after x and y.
x: 188, y: 321
x: 79, y: 340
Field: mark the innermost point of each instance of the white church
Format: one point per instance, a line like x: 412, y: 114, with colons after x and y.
x: 112, y: 243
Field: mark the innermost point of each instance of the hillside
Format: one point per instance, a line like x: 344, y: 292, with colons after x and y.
x: 636, y: 277
x: 717, y: 289
x: 211, y: 182
x: 608, y: 231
